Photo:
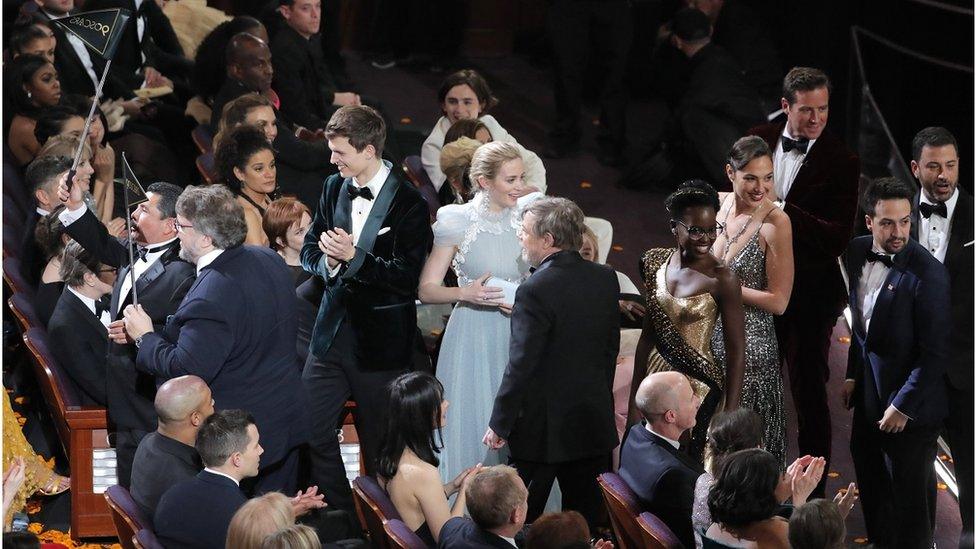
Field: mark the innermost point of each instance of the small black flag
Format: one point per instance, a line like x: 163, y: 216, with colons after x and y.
x: 135, y: 194
x: 100, y: 30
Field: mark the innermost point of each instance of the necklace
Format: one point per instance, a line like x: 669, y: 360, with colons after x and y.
x: 733, y: 239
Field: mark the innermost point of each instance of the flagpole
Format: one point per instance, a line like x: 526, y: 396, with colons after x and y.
x: 128, y: 230
x: 88, y: 123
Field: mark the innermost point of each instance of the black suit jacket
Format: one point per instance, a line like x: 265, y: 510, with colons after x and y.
x: 555, y: 403
x: 463, y: 533
x: 161, y: 289
x: 302, y: 79
x: 663, y: 479
x: 821, y: 204
x: 160, y: 463
x: 78, y: 342
x: 377, y: 289
x: 902, y: 358
x: 31, y: 256
x: 196, y: 513
x: 236, y: 329
x: 959, y: 263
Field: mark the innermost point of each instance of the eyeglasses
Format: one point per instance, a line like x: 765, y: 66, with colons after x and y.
x: 180, y: 227
x: 698, y: 233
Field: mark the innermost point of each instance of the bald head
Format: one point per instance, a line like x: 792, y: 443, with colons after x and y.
x: 660, y: 392
x: 249, y: 61
x: 241, y: 46
x: 179, y: 397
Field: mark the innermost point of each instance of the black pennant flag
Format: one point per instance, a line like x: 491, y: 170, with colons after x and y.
x: 100, y: 30
x: 135, y: 194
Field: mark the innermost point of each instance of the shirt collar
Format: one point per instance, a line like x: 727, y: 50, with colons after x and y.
x: 89, y: 302
x: 216, y: 472
x: 177, y: 448
x: 207, y: 258
x: 159, y: 244
x: 786, y: 134
x: 510, y: 540
x: 950, y: 204
x: 376, y: 183
x: 672, y: 442
x: 42, y: 212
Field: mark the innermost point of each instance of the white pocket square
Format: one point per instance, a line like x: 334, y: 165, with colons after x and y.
x: 383, y: 231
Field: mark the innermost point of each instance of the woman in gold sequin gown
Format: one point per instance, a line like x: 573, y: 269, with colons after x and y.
x: 688, y: 289
x: 38, y: 475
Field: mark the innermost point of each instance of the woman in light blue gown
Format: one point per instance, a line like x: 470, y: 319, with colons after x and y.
x: 478, y: 240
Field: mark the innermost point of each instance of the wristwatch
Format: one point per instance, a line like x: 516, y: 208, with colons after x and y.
x: 138, y: 340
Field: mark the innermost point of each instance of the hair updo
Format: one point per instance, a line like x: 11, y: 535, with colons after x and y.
x: 488, y: 160
x: 233, y: 148
x: 747, y: 149
x: 690, y: 194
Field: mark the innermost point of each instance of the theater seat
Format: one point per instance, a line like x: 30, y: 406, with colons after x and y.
x: 374, y: 508
x: 656, y: 534
x: 624, y: 508
x: 400, y: 536
x: 126, y: 515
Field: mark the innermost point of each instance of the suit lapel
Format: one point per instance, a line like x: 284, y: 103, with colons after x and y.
x: 916, y: 217
x: 85, y: 313
x: 879, y: 316
x: 854, y: 298
x: 962, y: 219
x: 343, y: 218
x: 381, y: 207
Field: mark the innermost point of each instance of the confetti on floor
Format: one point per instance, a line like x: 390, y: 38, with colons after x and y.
x: 617, y: 248
x: 406, y: 120
x: 585, y: 185
x: 833, y: 474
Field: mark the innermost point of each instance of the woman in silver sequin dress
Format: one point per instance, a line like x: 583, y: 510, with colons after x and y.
x: 758, y: 246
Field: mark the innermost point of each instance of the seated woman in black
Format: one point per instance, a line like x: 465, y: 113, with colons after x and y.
x: 407, y: 463
x: 30, y: 85
x: 246, y: 164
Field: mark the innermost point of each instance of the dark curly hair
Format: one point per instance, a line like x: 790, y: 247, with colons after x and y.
x: 233, y: 149
x: 691, y: 193
x: 729, y: 432
x: 745, y: 489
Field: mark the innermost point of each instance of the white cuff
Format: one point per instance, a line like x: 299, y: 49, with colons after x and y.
x: 67, y: 217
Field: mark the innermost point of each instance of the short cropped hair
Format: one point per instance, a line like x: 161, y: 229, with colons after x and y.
x: 803, y: 79
x: 933, y: 136
x: 885, y: 188
x: 76, y: 262
x: 561, y: 218
x: 168, y: 195
x: 747, y: 149
x: 817, y: 524
x: 361, y: 125
x: 473, y: 80
x: 493, y: 494
x: 278, y: 218
x: 223, y: 434
x: 214, y: 212
x: 43, y: 172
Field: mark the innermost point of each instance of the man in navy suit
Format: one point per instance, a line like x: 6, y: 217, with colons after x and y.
x: 498, y: 504
x: 662, y: 476
x: 368, y: 242
x: 235, y: 329
x: 899, y: 299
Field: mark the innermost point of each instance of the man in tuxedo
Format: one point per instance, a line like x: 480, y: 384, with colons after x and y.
x: 368, y: 242
x: 42, y: 177
x: 899, y: 301
x: 497, y: 501
x: 78, y: 323
x: 555, y: 406
x: 651, y: 463
x: 235, y: 329
x: 162, y: 279
x: 942, y: 222
x: 815, y: 178
x: 166, y: 456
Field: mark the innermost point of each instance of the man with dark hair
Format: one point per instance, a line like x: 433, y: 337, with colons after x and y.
x: 162, y: 279
x: 236, y: 329
x: 41, y: 178
x: 899, y: 301
x: 816, y: 179
x: 497, y: 501
x: 942, y: 222
x: 368, y: 242
x: 554, y: 405
x: 166, y: 456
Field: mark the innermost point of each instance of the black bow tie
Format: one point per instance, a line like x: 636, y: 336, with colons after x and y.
x: 799, y: 145
x: 355, y: 191
x: 143, y: 251
x: 884, y: 258
x: 102, y: 305
x: 928, y: 209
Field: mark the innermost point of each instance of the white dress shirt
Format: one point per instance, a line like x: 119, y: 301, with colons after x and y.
x: 140, y: 28
x: 510, y: 540
x: 43, y: 213
x: 82, y: 51
x: 216, y: 472
x: 361, y: 207
x: 672, y: 442
x: 141, y: 266
x: 933, y: 232
x: 787, y: 165
x: 207, y: 259
x: 90, y: 303
x: 873, y: 275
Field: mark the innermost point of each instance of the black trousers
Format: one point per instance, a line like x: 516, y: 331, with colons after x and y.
x: 896, y: 481
x: 577, y: 481
x: 959, y: 434
x: 126, y: 444
x: 576, y: 29
x: 329, y: 383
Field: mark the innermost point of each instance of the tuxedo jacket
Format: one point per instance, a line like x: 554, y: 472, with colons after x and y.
x: 73, y: 76
x: 555, y: 402
x: 821, y: 204
x: 901, y: 360
x: 161, y: 289
x: 31, y: 256
x: 377, y: 289
x: 959, y: 263
x: 663, y: 478
x: 302, y: 79
x: 236, y: 329
x: 78, y: 342
x: 462, y: 532
x: 196, y: 513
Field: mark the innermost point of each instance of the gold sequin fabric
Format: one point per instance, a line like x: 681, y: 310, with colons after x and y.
x: 16, y: 446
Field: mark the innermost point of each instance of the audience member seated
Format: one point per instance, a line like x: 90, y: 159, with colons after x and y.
x: 245, y: 162
x: 307, y: 88
x: 33, y: 37
x: 79, y: 337
x: 747, y: 493
x: 103, y: 155
x: 466, y: 95
x: 30, y: 85
x: 249, y: 70
x: 455, y: 161
x: 57, y: 120
x: 498, y: 503
x: 210, y: 64
x: 407, y: 463
x: 662, y: 476
x: 566, y: 530
x: 296, y: 536
x: 41, y: 177
x: 166, y: 456
x: 259, y: 518
x: 302, y: 165
x: 729, y: 432
x: 818, y: 524
x: 51, y: 239
x: 99, y: 195
x: 285, y: 222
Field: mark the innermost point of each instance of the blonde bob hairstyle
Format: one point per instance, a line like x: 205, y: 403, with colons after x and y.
x: 259, y: 518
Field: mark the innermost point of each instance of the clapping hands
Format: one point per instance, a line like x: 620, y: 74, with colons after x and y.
x: 303, y: 502
x: 804, y: 475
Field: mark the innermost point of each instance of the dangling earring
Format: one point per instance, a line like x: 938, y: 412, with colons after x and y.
x: 29, y: 96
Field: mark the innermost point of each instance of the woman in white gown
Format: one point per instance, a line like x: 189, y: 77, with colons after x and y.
x: 479, y: 241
